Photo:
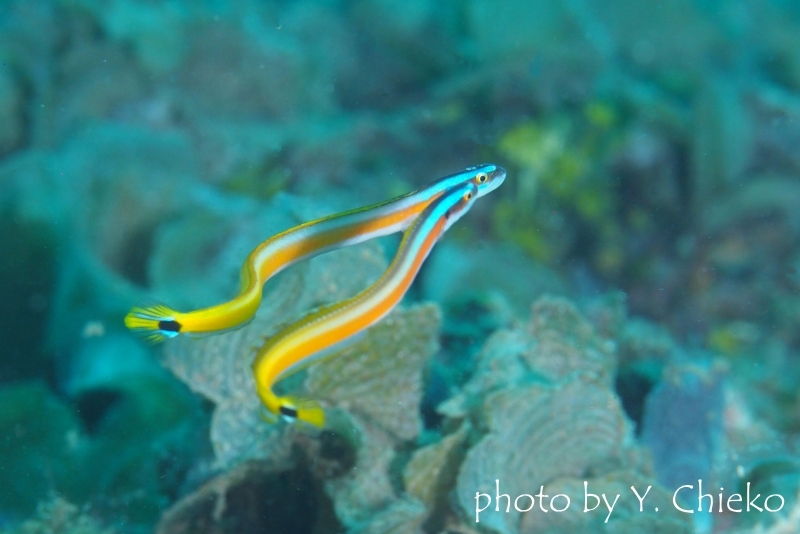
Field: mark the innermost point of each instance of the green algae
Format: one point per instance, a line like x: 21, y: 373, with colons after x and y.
x: 143, y: 447
x: 126, y: 464
x: 559, y: 163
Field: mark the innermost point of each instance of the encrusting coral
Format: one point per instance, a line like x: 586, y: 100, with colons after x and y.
x: 404, y: 516
x: 545, y: 414
x: 366, y: 491
x: 652, y: 149
x: 377, y: 382
x: 538, y: 434
x: 218, y: 367
x: 566, y: 344
x: 432, y: 468
x: 626, y: 517
x: 556, y: 344
x: 379, y: 377
x: 371, y: 389
x: 373, y: 413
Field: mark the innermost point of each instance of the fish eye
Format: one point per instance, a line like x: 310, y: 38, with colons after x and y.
x: 468, y: 196
x: 481, y: 178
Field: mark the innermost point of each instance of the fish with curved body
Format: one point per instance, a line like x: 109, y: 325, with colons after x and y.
x: 318, y: 333
x: 156, y: 322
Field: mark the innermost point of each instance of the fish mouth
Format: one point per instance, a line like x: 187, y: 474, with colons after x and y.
x: 496, y: 179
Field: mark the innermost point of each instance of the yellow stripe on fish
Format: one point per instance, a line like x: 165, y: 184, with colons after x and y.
x: 156, y: 322
x: 318, y: 333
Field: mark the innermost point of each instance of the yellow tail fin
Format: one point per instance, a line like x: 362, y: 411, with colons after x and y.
x: 305, y: 410
x: 153, y: 322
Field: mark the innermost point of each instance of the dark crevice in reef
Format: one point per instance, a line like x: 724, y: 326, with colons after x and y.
x: 281, y: 502
x: 92, y: 406
x: 135, y: 255
x: 252, y: 499
x: 633, y: 388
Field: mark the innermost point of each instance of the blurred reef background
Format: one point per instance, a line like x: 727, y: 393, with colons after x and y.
x: 624, y: 310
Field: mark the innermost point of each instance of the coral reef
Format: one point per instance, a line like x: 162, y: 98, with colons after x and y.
x: 585, y: 437
x: 431, y: 468
x: 243, y: 499
x: 218, y: 367
x: 567, y: 344
x: 372, y: 389
x: 542, y: 400
x: 626, y: 517
x: 58, y: 516
x: 355, y: 380
x: 146, y: 148
x: 123, y: 444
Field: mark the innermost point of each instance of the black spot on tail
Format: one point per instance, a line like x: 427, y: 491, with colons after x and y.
x: 169, y: 326
x: 288, y: 411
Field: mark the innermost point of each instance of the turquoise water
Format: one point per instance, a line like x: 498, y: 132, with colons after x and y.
x: 621, y: 313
